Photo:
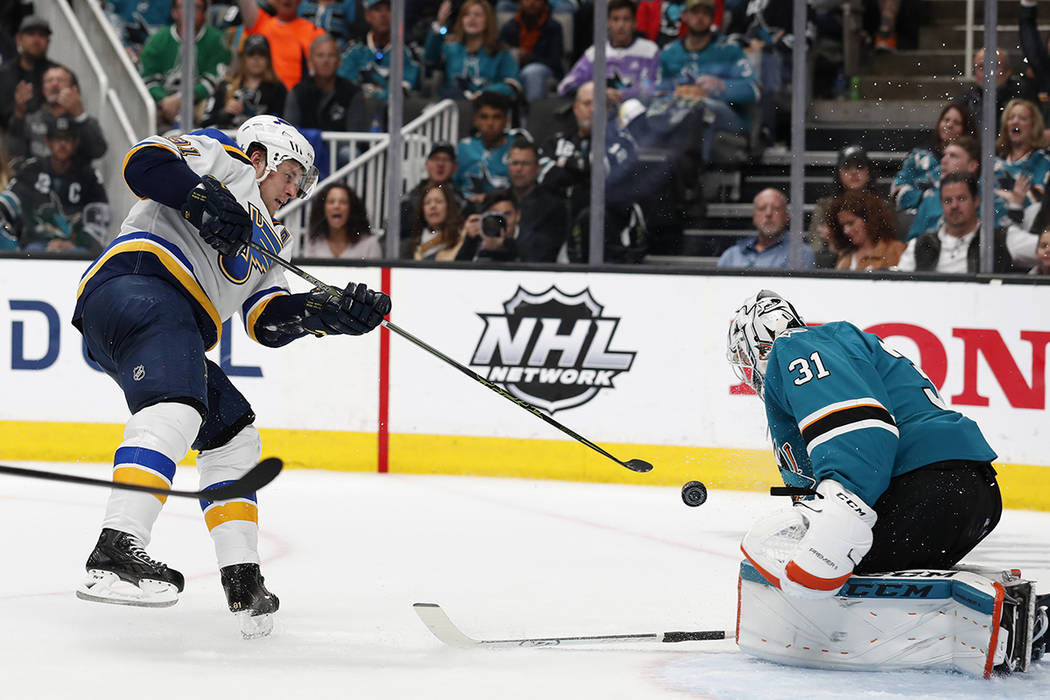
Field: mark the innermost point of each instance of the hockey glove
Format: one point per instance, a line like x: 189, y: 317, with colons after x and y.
x: 222, y: 221
x: 356, y: 311
x: 811, y: 549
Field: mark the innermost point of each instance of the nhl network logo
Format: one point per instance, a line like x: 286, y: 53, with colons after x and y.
x: 551, y: 349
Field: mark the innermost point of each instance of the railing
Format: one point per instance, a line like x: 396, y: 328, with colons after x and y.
x: 116, y: 95
x: 366, y: 173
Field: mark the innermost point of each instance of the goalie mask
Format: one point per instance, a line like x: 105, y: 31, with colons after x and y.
x: 755, y: 326
x: 282, y: 142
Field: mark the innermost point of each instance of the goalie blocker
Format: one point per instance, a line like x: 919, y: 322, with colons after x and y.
x: 979, y: 622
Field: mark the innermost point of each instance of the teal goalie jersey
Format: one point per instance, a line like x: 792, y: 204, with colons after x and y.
x: 842, y: 405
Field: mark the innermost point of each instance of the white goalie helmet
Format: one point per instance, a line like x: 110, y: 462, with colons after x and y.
x: 757, y: 323
x: 282, y: 142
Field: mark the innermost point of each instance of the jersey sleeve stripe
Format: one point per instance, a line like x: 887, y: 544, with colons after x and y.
x: 850, y: 427
x: 255, y: 305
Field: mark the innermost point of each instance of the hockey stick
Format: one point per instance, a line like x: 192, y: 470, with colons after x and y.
x: 637, y: 465
x: 441, y: 626
x: 260, y: 475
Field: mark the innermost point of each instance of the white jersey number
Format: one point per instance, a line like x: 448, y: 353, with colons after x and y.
x: 801, y: 365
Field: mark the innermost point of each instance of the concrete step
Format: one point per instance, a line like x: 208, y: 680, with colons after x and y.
x: 953, y: 36
x: 783, y: 157
x: 913, y: 87
x: 698, y: 261
x: 954, y: 11
x: 815, y: 186
x: 883, y: 113
x: 943, y: 62
x: 835, y: 137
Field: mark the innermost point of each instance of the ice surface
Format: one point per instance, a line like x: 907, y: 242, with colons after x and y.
x: 348, y: 554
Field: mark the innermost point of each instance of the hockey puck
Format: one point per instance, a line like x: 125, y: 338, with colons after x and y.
x: 694, y: 494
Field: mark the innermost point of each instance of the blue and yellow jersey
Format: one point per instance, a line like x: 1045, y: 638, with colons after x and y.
x: 156, y: 240
x: 841, y: 405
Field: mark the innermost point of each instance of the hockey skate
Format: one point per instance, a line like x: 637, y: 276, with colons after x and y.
x: 120, y: 572
x: 249, y: 600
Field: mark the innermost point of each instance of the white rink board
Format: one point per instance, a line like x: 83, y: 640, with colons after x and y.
x: 676, y: 391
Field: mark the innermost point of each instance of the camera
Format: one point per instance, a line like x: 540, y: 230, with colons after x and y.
x: 493, y: 224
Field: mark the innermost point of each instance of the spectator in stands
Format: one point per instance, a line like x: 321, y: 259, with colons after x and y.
x: 768, y: 248
x: 1037, y: 56
x: 565, y: 167
x: 703, y: 66
x: 339, y: 226
x: 482, y: 159
x: 8, y: 237
x: 27, y: 133
x: 1042, y: 254
x: 542, y: 223
x: 290, y: 36
x: 440, y: 166
x: 56, y: 203
x: 1021, y: 165
x: 537, y: 36
x: 955, y: 246
x: 341, y: 19
x: 135, y: 20
x: 854, y: 173
x: 491, y: 236
x: 367, y: 64
x: 1007, y: 87
x: 661, y: 20
x: 921, y: 170
x: 632, y: 63
x: 21, y: 81
x: 473, y: 57
x: 863, y: 231
x: 250, y: 89
x: 324, y: 100
x: 886, y: 36
x: 435, y: 233
x: 961, y: 155
x: 161, y: 65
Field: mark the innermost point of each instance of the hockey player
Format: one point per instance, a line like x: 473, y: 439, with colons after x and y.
x: 154, y: 301
x: 897, y: 480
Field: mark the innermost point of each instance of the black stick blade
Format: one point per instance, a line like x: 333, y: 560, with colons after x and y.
x: 260, y: 475
x: 638, y: 465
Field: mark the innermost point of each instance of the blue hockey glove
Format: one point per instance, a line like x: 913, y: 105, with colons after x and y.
x: 356, y: 311
x: 222, y: 221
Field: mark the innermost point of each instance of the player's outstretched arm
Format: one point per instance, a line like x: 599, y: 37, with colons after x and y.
x: 357, y: 310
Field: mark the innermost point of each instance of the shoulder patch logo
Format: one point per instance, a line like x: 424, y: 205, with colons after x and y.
x: 550, y: 348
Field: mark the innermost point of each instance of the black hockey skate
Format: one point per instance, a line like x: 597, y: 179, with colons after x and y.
x: 248, y: 599
x: 120, y: 572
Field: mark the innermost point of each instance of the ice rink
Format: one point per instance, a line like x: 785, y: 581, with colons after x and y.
x: 348, y: 554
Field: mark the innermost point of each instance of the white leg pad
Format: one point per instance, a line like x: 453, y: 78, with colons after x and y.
x: 168, y: 429
x: 906, y: 619
x: 233, y: 524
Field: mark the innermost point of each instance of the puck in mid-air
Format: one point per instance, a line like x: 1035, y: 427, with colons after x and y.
x: 694, y: 494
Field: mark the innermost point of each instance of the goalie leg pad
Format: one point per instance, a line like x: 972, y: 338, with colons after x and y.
x: 903, y: 620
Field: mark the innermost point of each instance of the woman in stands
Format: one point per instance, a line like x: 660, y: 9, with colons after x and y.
x: 921, y: 170
x: 853, y: 173
x: 864, y: 231
x: 251, y: 88
x: 472, y: 55
x: 339, y: 227
x: 436, y: 231
x: 1021, y: 164
x: 1042, y: 255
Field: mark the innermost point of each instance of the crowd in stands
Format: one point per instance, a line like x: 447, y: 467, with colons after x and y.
x: 683, y: 78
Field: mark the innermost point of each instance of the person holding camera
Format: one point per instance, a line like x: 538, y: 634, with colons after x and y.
x: 491, y: 236
x: 251, y: 88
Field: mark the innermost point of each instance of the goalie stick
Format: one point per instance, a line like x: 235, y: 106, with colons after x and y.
x: 260, y: 475
x: 442, y: 627
x: 637, y: 465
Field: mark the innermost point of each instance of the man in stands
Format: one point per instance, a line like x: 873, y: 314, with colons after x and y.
x: 290, y: 36
x: 769, y: 246
x: 482, y: 159
x: 537, y: 36
x: 22, y: 81
x: 324, y: 100
x: 1007, y: 87
x: 543, y: 223
x: 27, y: 133
x: 632, y: 63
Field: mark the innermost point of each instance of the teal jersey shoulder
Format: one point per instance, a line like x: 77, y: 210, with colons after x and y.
x: 842, y: 405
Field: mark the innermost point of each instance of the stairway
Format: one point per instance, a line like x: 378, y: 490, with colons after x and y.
x: 902, y: 95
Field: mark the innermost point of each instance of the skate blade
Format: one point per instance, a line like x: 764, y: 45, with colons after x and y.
x: 255, y: 626
x: 107, y: 587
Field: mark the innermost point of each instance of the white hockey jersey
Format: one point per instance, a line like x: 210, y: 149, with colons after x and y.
x: 156, y: 240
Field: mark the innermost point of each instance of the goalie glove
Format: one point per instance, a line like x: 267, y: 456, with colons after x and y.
x: 811, y: 549
x: 222, y: 221
x: 356, y: 311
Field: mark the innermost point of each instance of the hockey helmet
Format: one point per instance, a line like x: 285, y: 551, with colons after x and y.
x: 282, y: 142
x: 762, y: 318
